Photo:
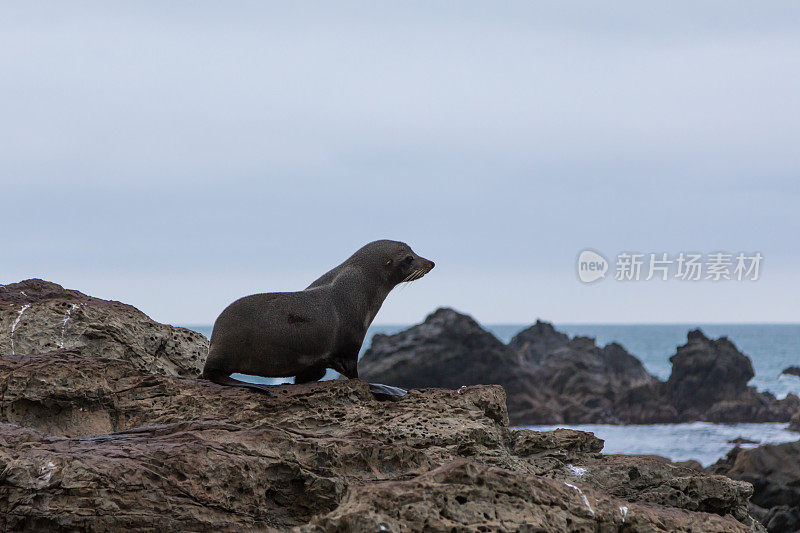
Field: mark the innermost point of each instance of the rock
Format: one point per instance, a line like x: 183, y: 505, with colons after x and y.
x: 791, y: 371
x: 552, y: 379
x: 774, y: 472
x: 781, y: 518
x: 706, y: 371
x: 38, y: 316
x: 107, y: 446
x: 567, y: 443
x: 580, y: 383
x: 691, y: 463
x: 742, y: 440
x: 463, y: 496
x: 709, y: 383
x: 752, y: 406
x: 646, y: 404
x: 448, y: 350
x: 549, y: 378
x: 794, y: 422
x: 535, y: 342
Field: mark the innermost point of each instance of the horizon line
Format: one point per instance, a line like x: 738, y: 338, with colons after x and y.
x: 526, y: 324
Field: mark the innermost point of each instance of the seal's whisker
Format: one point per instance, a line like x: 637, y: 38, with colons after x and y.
x: 413, y: 276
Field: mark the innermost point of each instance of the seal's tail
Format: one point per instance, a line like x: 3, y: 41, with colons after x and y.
x: 222, y: 378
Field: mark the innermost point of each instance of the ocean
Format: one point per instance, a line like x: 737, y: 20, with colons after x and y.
x: 771, y: 347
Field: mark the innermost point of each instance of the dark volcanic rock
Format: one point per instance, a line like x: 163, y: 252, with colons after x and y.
x: 552, y: 379
x: 109, y: 447
x: 774, y: 472
x: 791, y: 371
x: 583, y: 381
x: 647, y: 404
x: 705, y: 372
x: 448, y: 350
x: 742, y: 440
x: 38, y: 316
x: 709, y: 382
x: 535, y: 342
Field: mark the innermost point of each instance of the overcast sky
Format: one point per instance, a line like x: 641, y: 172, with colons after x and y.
x: 177, y: 156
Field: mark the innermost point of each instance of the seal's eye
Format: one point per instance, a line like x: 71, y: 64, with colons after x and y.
x: 409, y: 259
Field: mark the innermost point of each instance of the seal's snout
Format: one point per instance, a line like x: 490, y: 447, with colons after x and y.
x: 426, y: 265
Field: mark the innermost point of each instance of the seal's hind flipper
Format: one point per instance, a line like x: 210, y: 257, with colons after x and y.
x: 224, y: 379
x: 386, y: 392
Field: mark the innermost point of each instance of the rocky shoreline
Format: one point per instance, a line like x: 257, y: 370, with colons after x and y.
x: 112, y: 432
x: 95, y: 444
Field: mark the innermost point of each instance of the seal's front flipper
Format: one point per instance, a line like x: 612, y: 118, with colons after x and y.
x: 386, y: 392
x: 224, y: 379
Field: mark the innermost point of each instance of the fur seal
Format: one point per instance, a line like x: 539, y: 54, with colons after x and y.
x: 301, y: 334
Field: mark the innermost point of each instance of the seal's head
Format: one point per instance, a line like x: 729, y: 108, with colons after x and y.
x: 396, y: 261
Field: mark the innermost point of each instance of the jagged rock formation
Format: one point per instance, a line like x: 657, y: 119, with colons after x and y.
x: 774, y: 472
x: 705, y: 372
x: 552, y: 379
x: 106, y: 446
x: 580, y: 382
x: 709, y: 382
x: 534, y: 343
x: 548, y: 377
x: 39, y: 316
x: 448, y: 350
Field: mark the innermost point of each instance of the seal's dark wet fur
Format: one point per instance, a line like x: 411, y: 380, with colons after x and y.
x: 301, y: 334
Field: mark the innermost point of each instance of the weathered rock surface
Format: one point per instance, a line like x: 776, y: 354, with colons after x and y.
x: 552, y: 379
x: 464, y: 496
x: 109, y: 447
x: 38, y: 316
x: 774, y: 472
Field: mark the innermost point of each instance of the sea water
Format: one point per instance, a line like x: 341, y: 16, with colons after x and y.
x: 771, y: 347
